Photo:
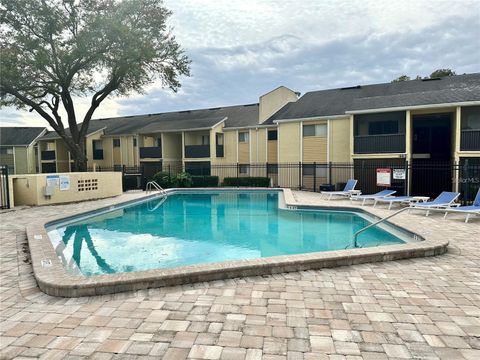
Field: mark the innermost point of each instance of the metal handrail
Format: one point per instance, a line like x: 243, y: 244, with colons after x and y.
x: 355, y: 236
x: 153, y: 185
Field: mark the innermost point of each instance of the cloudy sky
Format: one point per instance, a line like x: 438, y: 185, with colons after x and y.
x: 241, y: 49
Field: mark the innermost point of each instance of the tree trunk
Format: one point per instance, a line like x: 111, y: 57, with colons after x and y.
x: 78, y: 155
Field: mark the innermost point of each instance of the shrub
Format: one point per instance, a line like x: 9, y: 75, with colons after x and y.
x: 182, y: 180
x: 247, y: 181
x: 204, y: 181
x: 163, y: 179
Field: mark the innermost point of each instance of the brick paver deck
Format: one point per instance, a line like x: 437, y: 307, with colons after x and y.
x: 421, y: 308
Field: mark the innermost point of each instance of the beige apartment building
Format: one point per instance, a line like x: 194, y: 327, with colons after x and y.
x: 292, y: 138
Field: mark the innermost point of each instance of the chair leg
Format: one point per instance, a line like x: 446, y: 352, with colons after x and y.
x: 445, y: 216
x: 468, y: 217
x: 390, y: 205
x: 428, y: 212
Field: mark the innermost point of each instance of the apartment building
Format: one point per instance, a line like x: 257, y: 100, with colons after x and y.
x: 418, y: 122
x: 18, y: 148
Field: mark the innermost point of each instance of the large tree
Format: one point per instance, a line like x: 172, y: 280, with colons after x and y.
x: 54, y: 51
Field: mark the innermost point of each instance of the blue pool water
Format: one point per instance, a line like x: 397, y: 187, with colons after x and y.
x: 185, y: 229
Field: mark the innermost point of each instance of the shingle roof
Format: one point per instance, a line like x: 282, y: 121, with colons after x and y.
x: 18, y: 136
x: 331, y: 102
x: 236, y: 116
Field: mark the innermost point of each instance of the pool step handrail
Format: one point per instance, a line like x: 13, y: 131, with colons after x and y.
x: 153, y: 185
x: 355, y: 236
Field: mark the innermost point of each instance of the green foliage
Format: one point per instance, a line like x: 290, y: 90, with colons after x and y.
x: 204, y: 181
x: 401, y: 78
x: 163, y: 179
x: 441, y: 73
x: 247, y: 181
x: 182, y: 180
x: 55, y: 50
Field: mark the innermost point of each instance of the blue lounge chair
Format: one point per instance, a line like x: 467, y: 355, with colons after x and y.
x: 442, y: 201
x: 348, y: 190
x: 377, y: 195
x: 468, y: 210
x: 390, y: 200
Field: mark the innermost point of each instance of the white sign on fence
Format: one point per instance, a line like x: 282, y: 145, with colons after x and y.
x: 384, y: 177
x: 399, y: 174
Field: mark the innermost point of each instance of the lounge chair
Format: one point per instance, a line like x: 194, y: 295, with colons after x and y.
x: 442, y: 201
x: 377, y: 195
x: 468, y: 210
x: 348, y: 190
x: 397, y: 200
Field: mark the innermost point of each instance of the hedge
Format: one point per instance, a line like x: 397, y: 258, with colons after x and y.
x: 204, y: 181
x: 247, y: 181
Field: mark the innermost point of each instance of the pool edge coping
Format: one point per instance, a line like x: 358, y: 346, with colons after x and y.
x: 53, y: 279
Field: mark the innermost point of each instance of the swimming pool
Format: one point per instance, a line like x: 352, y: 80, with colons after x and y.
x: 186, y: 228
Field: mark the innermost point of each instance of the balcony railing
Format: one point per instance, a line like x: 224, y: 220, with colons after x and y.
x: 470, y: 140
x: 98, y: 154
x: 154, y: 152
x: 374, y: 144
x: 197, y: 151
x: 48, y: 155
x: 219, y: 151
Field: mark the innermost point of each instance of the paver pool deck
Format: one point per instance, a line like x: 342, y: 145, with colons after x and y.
x: 424, y: 308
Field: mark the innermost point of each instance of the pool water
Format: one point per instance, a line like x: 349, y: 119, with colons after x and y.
x: 195, y: 228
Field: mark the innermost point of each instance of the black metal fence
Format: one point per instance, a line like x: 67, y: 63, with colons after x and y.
x: 4, y: 189
x: 417, y: 178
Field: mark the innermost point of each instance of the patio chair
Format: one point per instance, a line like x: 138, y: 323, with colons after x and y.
x: 442, y: 201
x: 390, y: 200
x: 468, y: 210
x: 348, y: 190
x: 380, y: 194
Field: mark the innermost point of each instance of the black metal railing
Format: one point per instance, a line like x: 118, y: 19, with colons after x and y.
x: 470, y: 140
x: 197, y: 151
x: 373, y: 144
x: 48, y: 155
x: 154, y: 152
x: 219, y: 151
x: 98, y: 154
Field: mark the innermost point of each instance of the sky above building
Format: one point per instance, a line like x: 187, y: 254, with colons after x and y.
x: 241, y: 49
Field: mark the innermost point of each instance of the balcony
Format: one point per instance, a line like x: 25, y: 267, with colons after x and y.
x: 219, y: 151
x: 374, y: 144
x: 197, y: 151
x: 470, y: 140
x: 48, y: 155
x: 151, y: 152
x: 98, y: 154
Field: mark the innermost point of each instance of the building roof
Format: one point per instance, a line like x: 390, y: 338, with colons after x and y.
x: 19, y: 136
x: 234, y: 116
x: 451, y: 89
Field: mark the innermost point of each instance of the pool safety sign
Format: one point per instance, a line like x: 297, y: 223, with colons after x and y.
x: 64, y: 182
x: 53, y: 180
x: 384, y: 177
x: 399, y: 174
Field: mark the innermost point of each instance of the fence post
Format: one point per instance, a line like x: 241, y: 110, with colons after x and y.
x: 406, y: 191
x: 329, y: 172
x: 266, y: 168
x: 238, y: 169
x: 314, y: 176
x: 300, y: 178
x: 465, y: 176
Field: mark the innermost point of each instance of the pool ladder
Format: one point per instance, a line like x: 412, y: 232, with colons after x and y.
x: 355, y: 236
x: 152, y: 186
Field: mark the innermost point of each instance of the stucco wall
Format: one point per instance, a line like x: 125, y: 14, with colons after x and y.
x: 30, y: 189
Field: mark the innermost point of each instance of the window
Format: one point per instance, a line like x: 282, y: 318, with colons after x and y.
x: 272, y: 169
x: 219, y: 139
x: 158, y: 142
x: 205, y: 139
x: 272, y: 134
x: 471, y: 118
x: 382, y: 127
x: 97, y: 144
x: 116, y: 142
x: 315, y: 130
x: 134, y: 142
x: 320, y: 171
x: 6, y: 150
x: 243, y: 136
x: 243, y: 169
